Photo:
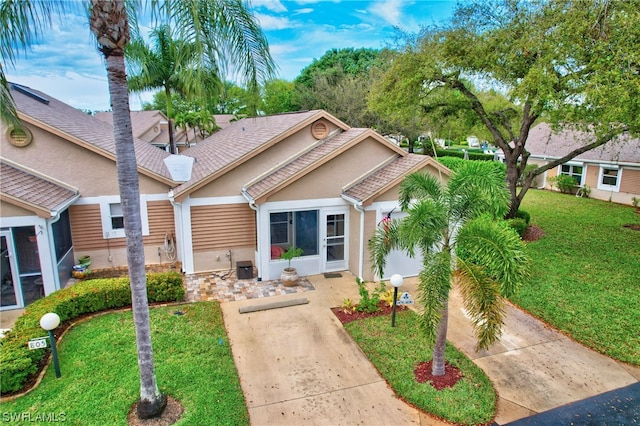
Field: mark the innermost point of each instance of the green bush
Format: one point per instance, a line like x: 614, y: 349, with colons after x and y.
x: 455, y: 163
x: 522, y: 214
x: 17, y: 362
x: 520, y: 225
x: 480, y: 156
x: 563, y: 182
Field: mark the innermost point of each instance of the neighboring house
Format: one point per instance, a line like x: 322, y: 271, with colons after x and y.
x: 257, y: 187
x: 611, y: 171
x: 152, y: 127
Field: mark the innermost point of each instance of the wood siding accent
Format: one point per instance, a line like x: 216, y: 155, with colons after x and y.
x: 591, y: 177
x: 161, y: 222
x: 86, y: 229
x: 223, y: 227
x: 630, y: 182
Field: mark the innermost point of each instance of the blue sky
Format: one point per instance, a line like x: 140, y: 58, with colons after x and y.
x: 67, y: 66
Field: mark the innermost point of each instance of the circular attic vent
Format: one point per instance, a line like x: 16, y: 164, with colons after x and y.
x: 320, y: 129
x: 19, y: 136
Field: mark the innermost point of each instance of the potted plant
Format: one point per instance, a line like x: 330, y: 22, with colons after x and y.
x: 289, y: 275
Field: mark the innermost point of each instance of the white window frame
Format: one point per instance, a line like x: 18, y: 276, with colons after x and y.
x: 604, y: 186
x: 105, y: 213
x: 573, y: 164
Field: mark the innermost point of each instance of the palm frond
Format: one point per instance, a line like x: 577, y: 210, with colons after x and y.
x: 478, y: 188
x: 483, y: 301
x: 425, y: 226
x: 385, y: 239
x: 419, y: 186
x: 496, y: 247
x: 433, y: 290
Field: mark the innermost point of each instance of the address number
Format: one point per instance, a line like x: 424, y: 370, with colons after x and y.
x: 38, y: 344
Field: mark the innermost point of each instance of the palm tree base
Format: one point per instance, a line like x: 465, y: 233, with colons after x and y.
x: 146, y: 409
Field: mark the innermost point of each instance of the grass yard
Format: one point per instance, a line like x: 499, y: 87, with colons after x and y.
x: 586, y: 272
x: 395, y: 351
x: 100, y: 378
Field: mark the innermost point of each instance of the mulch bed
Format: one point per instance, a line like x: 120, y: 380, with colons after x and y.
x: 383, y: 309
x: 532, y: 233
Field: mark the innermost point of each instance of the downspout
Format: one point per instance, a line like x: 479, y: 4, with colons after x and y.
x: 179, y: 237
x: 358, y: 207
x: 254, y: 207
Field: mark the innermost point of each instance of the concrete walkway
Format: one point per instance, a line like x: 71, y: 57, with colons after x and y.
x: 298, y: 366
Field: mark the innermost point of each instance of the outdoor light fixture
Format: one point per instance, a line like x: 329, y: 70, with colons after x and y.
x: 396, y: 281
x: 49, y: 322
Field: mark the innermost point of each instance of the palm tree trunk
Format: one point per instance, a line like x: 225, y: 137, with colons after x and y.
x: 437, y: 366
x: 151, y: 400
x: 109, y: 22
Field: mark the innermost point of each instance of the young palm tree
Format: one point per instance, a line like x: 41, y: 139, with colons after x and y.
x: 458, y: 230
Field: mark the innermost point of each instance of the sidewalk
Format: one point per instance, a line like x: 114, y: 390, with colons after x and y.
x: 533, y: 367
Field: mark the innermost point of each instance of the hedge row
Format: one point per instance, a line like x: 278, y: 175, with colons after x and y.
x: 481, y: 156
x: 454, y: 163
x: 17, y: 362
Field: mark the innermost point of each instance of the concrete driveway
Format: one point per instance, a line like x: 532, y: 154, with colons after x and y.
x: 298, y: 366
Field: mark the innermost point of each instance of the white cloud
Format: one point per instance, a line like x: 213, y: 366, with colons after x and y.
x: 271, y: 23
x: 303, y: 11
x: 272, y: 5
x: 389, y: 10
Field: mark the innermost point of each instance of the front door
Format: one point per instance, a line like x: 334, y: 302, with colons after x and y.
x: 334, y: 241
x: 11, y: 294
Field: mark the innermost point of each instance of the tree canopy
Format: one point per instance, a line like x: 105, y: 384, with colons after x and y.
x: 570, y: 62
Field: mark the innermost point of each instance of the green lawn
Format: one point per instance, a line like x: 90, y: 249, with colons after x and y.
x: 586, y: 272
x: 100, y: 378
x: 395, y: 351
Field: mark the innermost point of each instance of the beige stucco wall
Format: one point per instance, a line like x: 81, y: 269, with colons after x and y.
x: 369, y: 229
x: 328, y: 180
x: 231, y: 183
x: 9, y: 210
x: 91, y: 173
x: 217, y: 260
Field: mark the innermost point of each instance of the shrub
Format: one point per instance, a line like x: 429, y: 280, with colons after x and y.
x: 369, y: 300
x: 520, y: 225
x: 17, y: 362
x: 522, y: 214
x: 455, y: 163
x: 563, y: 182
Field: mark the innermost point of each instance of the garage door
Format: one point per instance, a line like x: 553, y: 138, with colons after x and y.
x: 398, y: 262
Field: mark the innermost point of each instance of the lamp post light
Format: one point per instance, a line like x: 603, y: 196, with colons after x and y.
x: 49, y: 322
x: 396, y: 281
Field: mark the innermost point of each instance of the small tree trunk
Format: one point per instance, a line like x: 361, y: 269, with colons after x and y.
x: 437, y: 365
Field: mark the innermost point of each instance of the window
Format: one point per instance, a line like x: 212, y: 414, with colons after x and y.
x: 113, y: 217
x: 609, y: 178
x: 574, y: 171
x: 299, y: 229
x: 117, y: 218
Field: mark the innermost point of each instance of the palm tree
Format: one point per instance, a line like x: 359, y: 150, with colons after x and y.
x: 458, y: 229
x: 222, y: 27
x: 170, y: 64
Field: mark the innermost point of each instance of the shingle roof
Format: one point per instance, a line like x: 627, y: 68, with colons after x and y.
x: 241, y: 141
x: 37, y: 193
x: 85, y: 128
x: 543, y: 142
x: 388, y: 176
x: 317, y: 155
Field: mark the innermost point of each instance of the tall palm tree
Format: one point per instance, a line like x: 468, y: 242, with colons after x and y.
x: 221, y: 27
x: 457, y: 229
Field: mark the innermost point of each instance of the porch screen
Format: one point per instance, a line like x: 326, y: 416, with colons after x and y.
x: 299, y: 228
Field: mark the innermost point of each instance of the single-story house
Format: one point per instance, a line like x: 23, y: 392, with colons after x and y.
x: 611, y: 171
x: 257, y: 187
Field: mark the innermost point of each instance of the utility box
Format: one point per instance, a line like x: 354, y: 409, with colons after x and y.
x: 244, y: 270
